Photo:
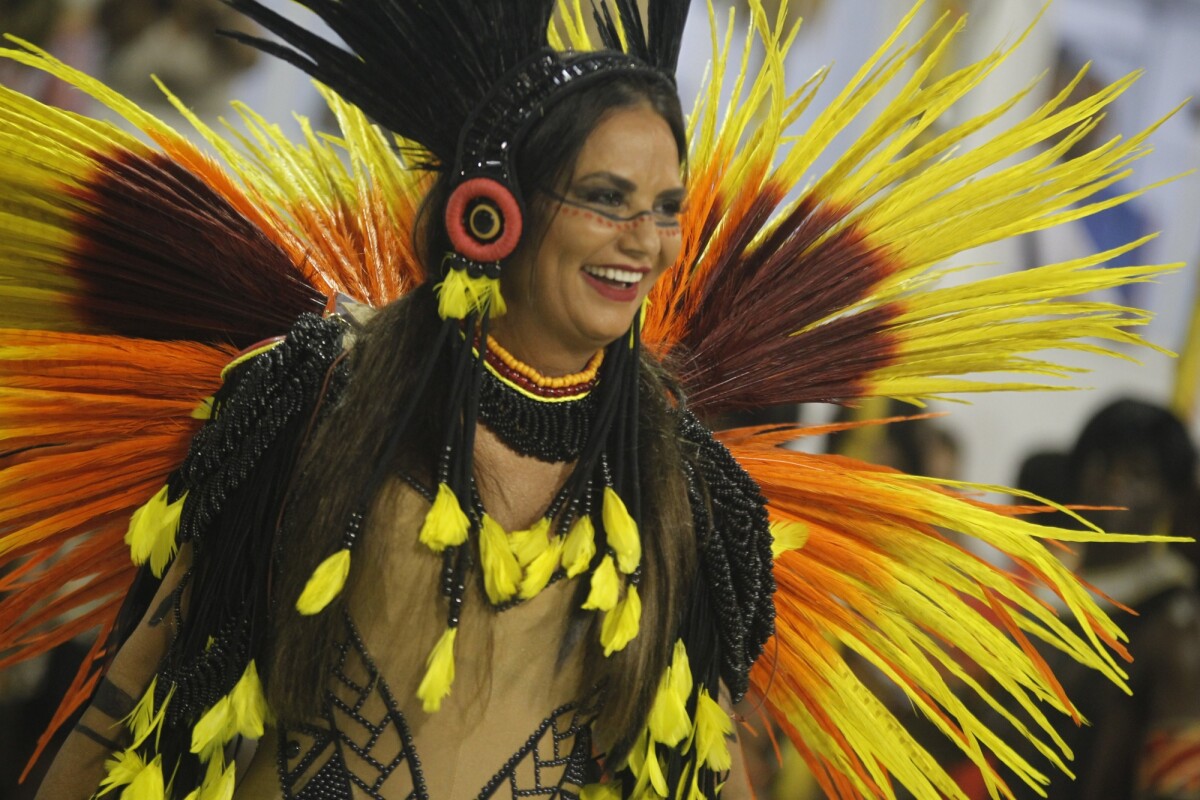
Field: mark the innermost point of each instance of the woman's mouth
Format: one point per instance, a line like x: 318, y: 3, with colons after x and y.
x: 614, y: 275
x: 614, y: 283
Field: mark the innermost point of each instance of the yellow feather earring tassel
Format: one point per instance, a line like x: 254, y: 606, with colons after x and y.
x: 622, y: 532
x: 460, y: 294
x: 620, y: 625
x: 501, y: 571
x: 579, y: 547
x: 439, y: 673
x: 606, y: 587
x: 151, y: 533
x: 446, y: 524
x: 325, y: 583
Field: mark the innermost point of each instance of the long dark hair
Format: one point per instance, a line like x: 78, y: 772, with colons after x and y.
x: 386, y: 359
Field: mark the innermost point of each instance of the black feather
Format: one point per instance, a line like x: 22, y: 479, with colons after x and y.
x: 417, y: 68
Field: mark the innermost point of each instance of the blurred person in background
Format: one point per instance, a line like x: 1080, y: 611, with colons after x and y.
x: 1137, y: 459
x: 173, y: 40
x: 64, y: 27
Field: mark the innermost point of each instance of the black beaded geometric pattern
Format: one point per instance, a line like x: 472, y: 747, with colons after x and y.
x: 734, y: 540
x: 366, y: 745
x: 548, y: 431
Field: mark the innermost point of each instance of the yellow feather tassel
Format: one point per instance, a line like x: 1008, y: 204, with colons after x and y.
x: 606, y: 587
x: 446, y: 524
x: 531, y: 542
x: 538, y: 574
x: 713, y: 727
x: 669, y: 722
x: 151, y: 533
x: 120, y: 770
x: 325, y: 583
x: 216, y: 727
x: 460, y: 294
x: 439, y: 673
x: 141, y: 720
x: 622, y: 532
x: 580, y: 546
x: 148, y: 785
x: 501, y: 571
x: 249, y: 703
x: 620, y: 625
x: 220, y: 780
x: 787, y: 535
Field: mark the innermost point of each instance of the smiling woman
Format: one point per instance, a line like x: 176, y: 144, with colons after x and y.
x: 475, y: 540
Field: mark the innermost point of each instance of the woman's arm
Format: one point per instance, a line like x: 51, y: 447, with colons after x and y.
x: 79, y: 766
x: 737, y: 784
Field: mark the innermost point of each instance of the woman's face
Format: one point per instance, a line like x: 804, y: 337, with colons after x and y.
x: 611, y: 229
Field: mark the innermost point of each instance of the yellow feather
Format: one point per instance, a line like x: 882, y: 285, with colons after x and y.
x: 249, y: 703
x: 713, y: 727
x: 531, y: 542
x: 214, y: 728
x: 152, y: 532
x: 620, y: 626
x: 325, y: 583
x: 787, y: 535
x: 501, y: 570
x: 579, y: 547
x: 460, y: 294
x: 668, y: 722
x: 141, y: 720
x: 445, y: 524
x: 538, y: 573
x: 606, y: 587
x: 120, y: 770
x: 439, y: 673
x: 148, y: 785
x: 622, y: 532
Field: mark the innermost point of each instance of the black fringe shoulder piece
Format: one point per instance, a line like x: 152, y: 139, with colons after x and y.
x: 734, y: 540
x: 236, y: 477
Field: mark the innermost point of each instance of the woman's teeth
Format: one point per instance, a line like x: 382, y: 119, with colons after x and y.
x: 614, y: 275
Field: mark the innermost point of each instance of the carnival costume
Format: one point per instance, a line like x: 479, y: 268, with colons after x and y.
x: 132, y: 276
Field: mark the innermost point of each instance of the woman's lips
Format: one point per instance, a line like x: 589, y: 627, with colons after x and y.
x: 618, y: 291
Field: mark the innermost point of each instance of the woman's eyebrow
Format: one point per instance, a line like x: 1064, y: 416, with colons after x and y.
x: 624, y: 184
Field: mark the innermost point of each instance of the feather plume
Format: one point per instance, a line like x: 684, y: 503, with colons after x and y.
x: 836, y: 294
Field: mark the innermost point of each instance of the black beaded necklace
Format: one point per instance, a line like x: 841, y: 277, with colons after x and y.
x: 546, y: 418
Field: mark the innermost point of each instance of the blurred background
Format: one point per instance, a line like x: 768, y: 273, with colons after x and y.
x: 994, y: 438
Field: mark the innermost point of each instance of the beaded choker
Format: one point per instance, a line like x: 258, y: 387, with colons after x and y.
x: 547, y: 418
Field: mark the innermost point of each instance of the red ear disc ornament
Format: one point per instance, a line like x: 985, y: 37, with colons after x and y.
x: 483, y: 220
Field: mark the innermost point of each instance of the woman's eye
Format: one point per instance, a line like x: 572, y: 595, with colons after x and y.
x: 603, y: 197
x: 670, y: 208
